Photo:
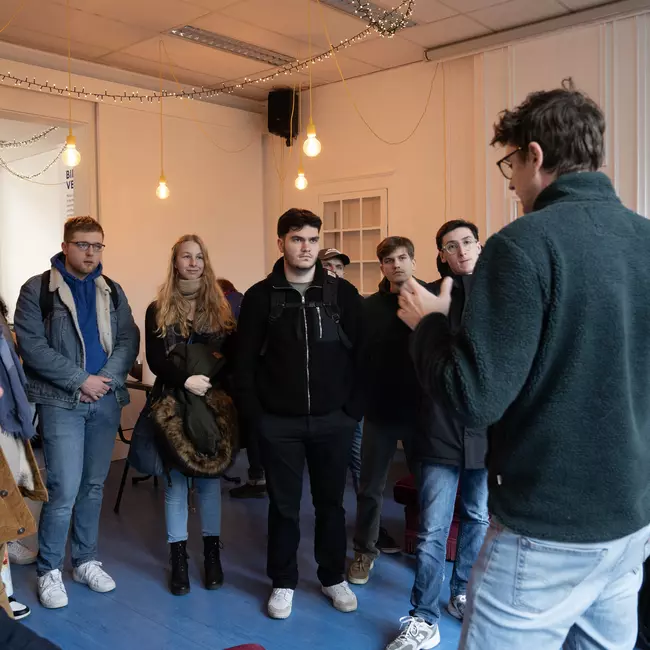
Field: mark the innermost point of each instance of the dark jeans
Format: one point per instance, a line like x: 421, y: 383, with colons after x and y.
x: 324, y: 442
x: 377, y: 451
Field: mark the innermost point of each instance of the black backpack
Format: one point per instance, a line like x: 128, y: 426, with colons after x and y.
x: 46, y: 299
x: 329, y: 304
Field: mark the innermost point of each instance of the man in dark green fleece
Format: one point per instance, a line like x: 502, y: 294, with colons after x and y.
x: 554, y: 354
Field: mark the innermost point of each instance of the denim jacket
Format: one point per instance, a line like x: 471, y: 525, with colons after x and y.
x: 53, y: 350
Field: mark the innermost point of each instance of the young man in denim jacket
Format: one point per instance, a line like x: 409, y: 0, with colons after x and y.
x: 78, y: 341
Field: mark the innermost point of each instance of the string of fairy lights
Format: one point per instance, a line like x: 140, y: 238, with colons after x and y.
x: 386, y: 23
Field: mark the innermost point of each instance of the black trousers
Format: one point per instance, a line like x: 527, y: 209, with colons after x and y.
x: 324, y: 442
x: 255, y: 467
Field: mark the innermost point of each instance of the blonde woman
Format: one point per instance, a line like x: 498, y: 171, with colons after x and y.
x: 190, y: 326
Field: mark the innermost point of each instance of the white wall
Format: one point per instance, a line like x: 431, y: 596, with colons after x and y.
x: 447, y: 169
x: 31, y: 221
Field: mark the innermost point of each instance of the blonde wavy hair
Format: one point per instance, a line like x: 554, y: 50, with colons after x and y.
x: 212, y: 311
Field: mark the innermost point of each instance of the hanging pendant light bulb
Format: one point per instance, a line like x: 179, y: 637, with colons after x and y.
x: 301, y: 182
x: 71, y: 157
x: 311, y: 146
x: 162, y: 191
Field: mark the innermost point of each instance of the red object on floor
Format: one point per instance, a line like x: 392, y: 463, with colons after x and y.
x: 247, y: 646
x: 405, y: 493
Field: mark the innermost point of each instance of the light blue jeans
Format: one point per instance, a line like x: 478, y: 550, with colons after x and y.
x: 208, y: 491
x: 531, y: 593
x: 77, y: 445
x: 437, y: 486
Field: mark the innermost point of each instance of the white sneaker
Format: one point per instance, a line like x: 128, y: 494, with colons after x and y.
x: 342, y: 597
x: 416, y: 634
x: 92, y: 574
x: 51, y: 591
x: 20, y: 554
x: 280, y: 603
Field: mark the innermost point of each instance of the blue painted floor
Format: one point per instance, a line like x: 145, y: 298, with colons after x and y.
x: 142, y: 615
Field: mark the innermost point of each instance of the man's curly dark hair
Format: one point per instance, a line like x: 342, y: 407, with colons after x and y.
x: 567, y: 124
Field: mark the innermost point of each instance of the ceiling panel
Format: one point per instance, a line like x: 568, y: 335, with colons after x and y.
x: 156, y: 18
x: 450, y: 30
x: 517, y: 12
x: 148, y: 67
x: 289, y: 17
x: 386, y: 52
x: 47, y: 18
x: 425, y: 11
x: 47, y: 43
x: 465, y: 6
x: 212, y: 5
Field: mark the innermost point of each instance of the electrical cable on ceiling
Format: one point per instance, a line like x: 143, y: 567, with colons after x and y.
x: 352, y: 100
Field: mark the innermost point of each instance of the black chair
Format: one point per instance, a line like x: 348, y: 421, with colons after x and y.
x: 134, y: 385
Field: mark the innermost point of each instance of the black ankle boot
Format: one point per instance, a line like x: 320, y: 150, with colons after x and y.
x: 213, y: 570
x: 179, y: 583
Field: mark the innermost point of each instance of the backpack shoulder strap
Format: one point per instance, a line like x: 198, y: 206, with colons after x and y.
x: 331, y: 306
x: 278, y: 303
x: 115, y: 298
x: 45, y: 298
x: 330, y: 297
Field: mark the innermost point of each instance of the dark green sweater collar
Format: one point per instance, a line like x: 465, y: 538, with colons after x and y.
x: 577, y: 186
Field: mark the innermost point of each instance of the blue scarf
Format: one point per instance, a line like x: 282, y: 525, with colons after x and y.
x: 15, y: 413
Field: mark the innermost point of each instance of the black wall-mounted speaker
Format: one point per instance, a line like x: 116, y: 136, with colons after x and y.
x: 283, y: 108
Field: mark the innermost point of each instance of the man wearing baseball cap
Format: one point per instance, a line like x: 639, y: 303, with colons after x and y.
x: 334, y: 260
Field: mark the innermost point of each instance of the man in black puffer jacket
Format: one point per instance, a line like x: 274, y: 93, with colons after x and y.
x: 448, y: 455
x: 298, y: 333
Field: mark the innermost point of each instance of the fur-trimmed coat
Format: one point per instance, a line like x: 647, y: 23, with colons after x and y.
x: 197, y: 435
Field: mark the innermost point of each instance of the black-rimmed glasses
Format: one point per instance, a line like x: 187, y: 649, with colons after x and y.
x: 84, y: 246
x: 505, y: 164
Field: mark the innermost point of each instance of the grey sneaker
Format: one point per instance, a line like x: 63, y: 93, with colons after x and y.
x: 359, y: 571
x: 457, y: 606
x: 416, y: 634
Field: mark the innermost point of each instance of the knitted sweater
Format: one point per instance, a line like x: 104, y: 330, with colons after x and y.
x: 554, y: 354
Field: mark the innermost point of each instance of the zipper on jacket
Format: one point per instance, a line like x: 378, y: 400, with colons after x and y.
x: 320, y: 324
x: 304, y: 315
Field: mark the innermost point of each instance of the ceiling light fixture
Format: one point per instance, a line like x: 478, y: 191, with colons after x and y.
x: 231, y: 45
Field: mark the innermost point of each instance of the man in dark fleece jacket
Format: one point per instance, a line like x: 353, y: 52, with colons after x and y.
x: 554, y: 354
